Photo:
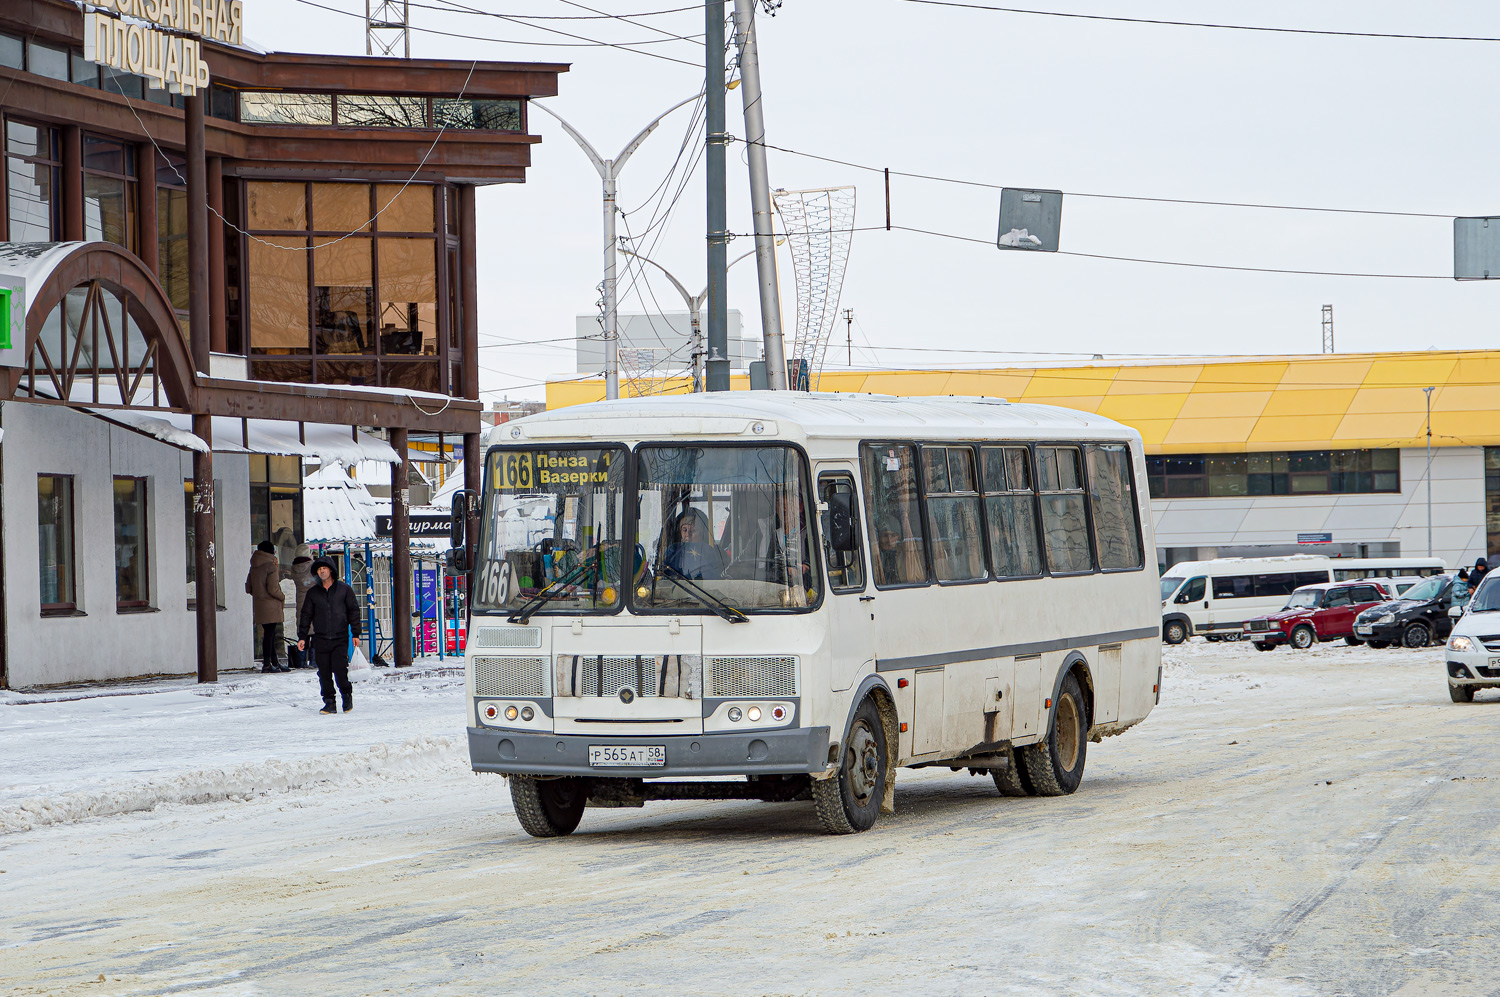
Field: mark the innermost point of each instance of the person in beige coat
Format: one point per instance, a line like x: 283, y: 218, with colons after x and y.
x: 263, y: 585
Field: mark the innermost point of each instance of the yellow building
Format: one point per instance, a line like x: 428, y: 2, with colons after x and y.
x: 1247, y: 453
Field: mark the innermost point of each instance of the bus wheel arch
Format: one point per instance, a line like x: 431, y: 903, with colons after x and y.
x: 875, y: 688
x: 862, y: 785
x: 1078, y: 667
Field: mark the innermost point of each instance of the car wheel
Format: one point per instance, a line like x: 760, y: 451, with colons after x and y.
x: 1056, y: 765
x: 1303, y: 638
x: 1174, y: 632
x: 548, y: 808
x: 1353, y: 641
x: 1379, y: 644
x: 1461, y: 693
x: 850, y: 801
x: 1232, y: 636
x: 1261, y: 645
x: 1416, y: 635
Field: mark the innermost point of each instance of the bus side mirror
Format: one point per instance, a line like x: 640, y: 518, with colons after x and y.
x: 841, y: 522
x: 458, y: 528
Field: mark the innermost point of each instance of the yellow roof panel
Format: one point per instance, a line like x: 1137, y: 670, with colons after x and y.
x: 1310, y: 401
x: 1131, y: 409
x: 1224, y: 404
x: 1262, y: 375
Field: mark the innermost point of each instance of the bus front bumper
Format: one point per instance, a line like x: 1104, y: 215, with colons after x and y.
x: 767, y: 752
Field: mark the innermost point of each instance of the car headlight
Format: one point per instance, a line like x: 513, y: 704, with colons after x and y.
x: 1387, y: 618
x: 1457, y: 643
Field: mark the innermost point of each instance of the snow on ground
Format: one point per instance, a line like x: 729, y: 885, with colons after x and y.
x: 1320, y: 822
x: 111, y: 750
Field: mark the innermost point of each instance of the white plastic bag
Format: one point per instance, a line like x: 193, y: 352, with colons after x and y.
x: 359, y: 666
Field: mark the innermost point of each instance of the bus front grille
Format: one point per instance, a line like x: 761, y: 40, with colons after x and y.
x: 508, y: 637
x: 754, y: 677
x: 509, y: 676
x: 672, y: 676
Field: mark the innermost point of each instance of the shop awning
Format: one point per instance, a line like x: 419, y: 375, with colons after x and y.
x: 317, y: 441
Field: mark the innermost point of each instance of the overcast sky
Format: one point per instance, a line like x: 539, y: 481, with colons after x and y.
x: 1019, y: 100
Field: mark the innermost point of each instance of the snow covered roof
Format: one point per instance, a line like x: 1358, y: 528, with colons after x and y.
x: 336, y: 506
x: 320, y: 442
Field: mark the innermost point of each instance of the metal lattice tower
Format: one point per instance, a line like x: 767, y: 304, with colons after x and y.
x: 819, y: 228
x: 388, y: 28
x: 1327, y: 328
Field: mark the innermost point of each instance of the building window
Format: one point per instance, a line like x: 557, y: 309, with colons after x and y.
x: 33, y: 183
x: 1298, y: 472
x: 276, y: 503
x: 172, y: 230
x: 346, y: 275
x: 1492, y: 499
x: 47, y: 60
x: 132, y: 574
x: 12, y: 52
x: 379, y: 111
x: 54, y: 500
x: 109, y: 198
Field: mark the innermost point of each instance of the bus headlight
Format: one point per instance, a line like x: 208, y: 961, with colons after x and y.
x: 511, y: 712
x: 734, y: 714
x: 753, y: 713
x: 527, y: 713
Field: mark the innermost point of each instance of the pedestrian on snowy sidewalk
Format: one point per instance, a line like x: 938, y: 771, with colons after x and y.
x: 295, y: 583
x: 330, y: 618
x: 264, y: 589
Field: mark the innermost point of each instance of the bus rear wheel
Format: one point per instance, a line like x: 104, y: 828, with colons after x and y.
x: 850, y: 801
x: 1012, y: 779
x: 1055, y: 766
x: 548, y: 808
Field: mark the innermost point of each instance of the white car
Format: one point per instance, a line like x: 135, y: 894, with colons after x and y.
x: 1473, y: 656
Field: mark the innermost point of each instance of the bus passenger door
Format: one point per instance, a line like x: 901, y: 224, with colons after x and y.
x: 851, y: 613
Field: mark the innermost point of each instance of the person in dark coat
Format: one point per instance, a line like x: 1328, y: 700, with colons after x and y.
x: 329, y: 618
x: 263, y: 585
x: 1477, y: 573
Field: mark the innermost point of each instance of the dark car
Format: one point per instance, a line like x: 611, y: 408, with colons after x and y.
x: 1317, y: 612
x: 1415, y: 619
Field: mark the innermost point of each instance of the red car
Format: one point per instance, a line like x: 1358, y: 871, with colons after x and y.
x: 1325, y: 611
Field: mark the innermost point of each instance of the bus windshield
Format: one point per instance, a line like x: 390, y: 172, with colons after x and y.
x: 725, y: 529
x: 1168, y: 586
x: 550, y: 530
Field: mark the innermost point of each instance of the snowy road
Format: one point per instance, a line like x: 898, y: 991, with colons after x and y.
x: 1314, y: 823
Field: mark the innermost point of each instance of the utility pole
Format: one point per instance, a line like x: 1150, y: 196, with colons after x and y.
x: 609, y: 173
x: 760, y: 195
x: 1327, y: 328
x: 849, y: 333
x: 716, y: 376
x: 1428, y: 393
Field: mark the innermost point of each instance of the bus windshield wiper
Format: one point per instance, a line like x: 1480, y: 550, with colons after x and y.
x: 546, y: 595
x: 721, y: 609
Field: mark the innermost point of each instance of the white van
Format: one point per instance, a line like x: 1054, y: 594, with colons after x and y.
x: 1214, y: 598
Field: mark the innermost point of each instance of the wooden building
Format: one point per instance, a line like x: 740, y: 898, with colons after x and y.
x: 336, y: 271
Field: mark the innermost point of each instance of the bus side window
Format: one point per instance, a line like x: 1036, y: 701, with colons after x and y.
x: 898, y: 554
x: 1010, y: 508
x: 1065, y: 525
x: 846, y: 568
x: 953, y: 513
x: 1117, y: 537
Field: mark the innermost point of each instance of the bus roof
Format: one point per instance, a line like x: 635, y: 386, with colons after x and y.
x: 801, y: 415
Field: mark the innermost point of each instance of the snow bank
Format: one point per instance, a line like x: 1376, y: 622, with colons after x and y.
x: 417, y: 757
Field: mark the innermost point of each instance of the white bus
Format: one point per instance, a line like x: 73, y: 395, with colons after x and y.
x: 1214, y: 598
x: 804, y: 591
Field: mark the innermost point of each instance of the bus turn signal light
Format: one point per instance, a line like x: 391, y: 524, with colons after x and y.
x: 902, y: 683
x: 903, y: 728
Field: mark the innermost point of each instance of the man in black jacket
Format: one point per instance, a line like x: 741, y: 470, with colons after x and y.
x: 330, y: 614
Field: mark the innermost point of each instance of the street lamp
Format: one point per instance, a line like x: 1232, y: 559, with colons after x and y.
x: 609, y: 172
x: 694, y: 305
x: 1428, y: 393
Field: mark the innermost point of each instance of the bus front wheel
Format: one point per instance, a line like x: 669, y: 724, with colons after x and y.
x: 850, y: 801
x: 1056, y: 764
x: 548, y: 808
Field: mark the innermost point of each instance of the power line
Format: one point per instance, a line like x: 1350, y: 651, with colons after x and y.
x: 626, y: 19
x: 604, y: 17
x: 1204, y: 24
x: 583, y: 42
x: 1111, y: 197
x: 1138, y: 259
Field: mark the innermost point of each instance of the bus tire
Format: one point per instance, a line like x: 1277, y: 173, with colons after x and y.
x: 1416, y: 635
x: 1174, y: 632
x: 1011, y: 780
x: 1303, y: 637
x: 850, y: 801
x: 1055, y: 766
x: 548, y: 808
